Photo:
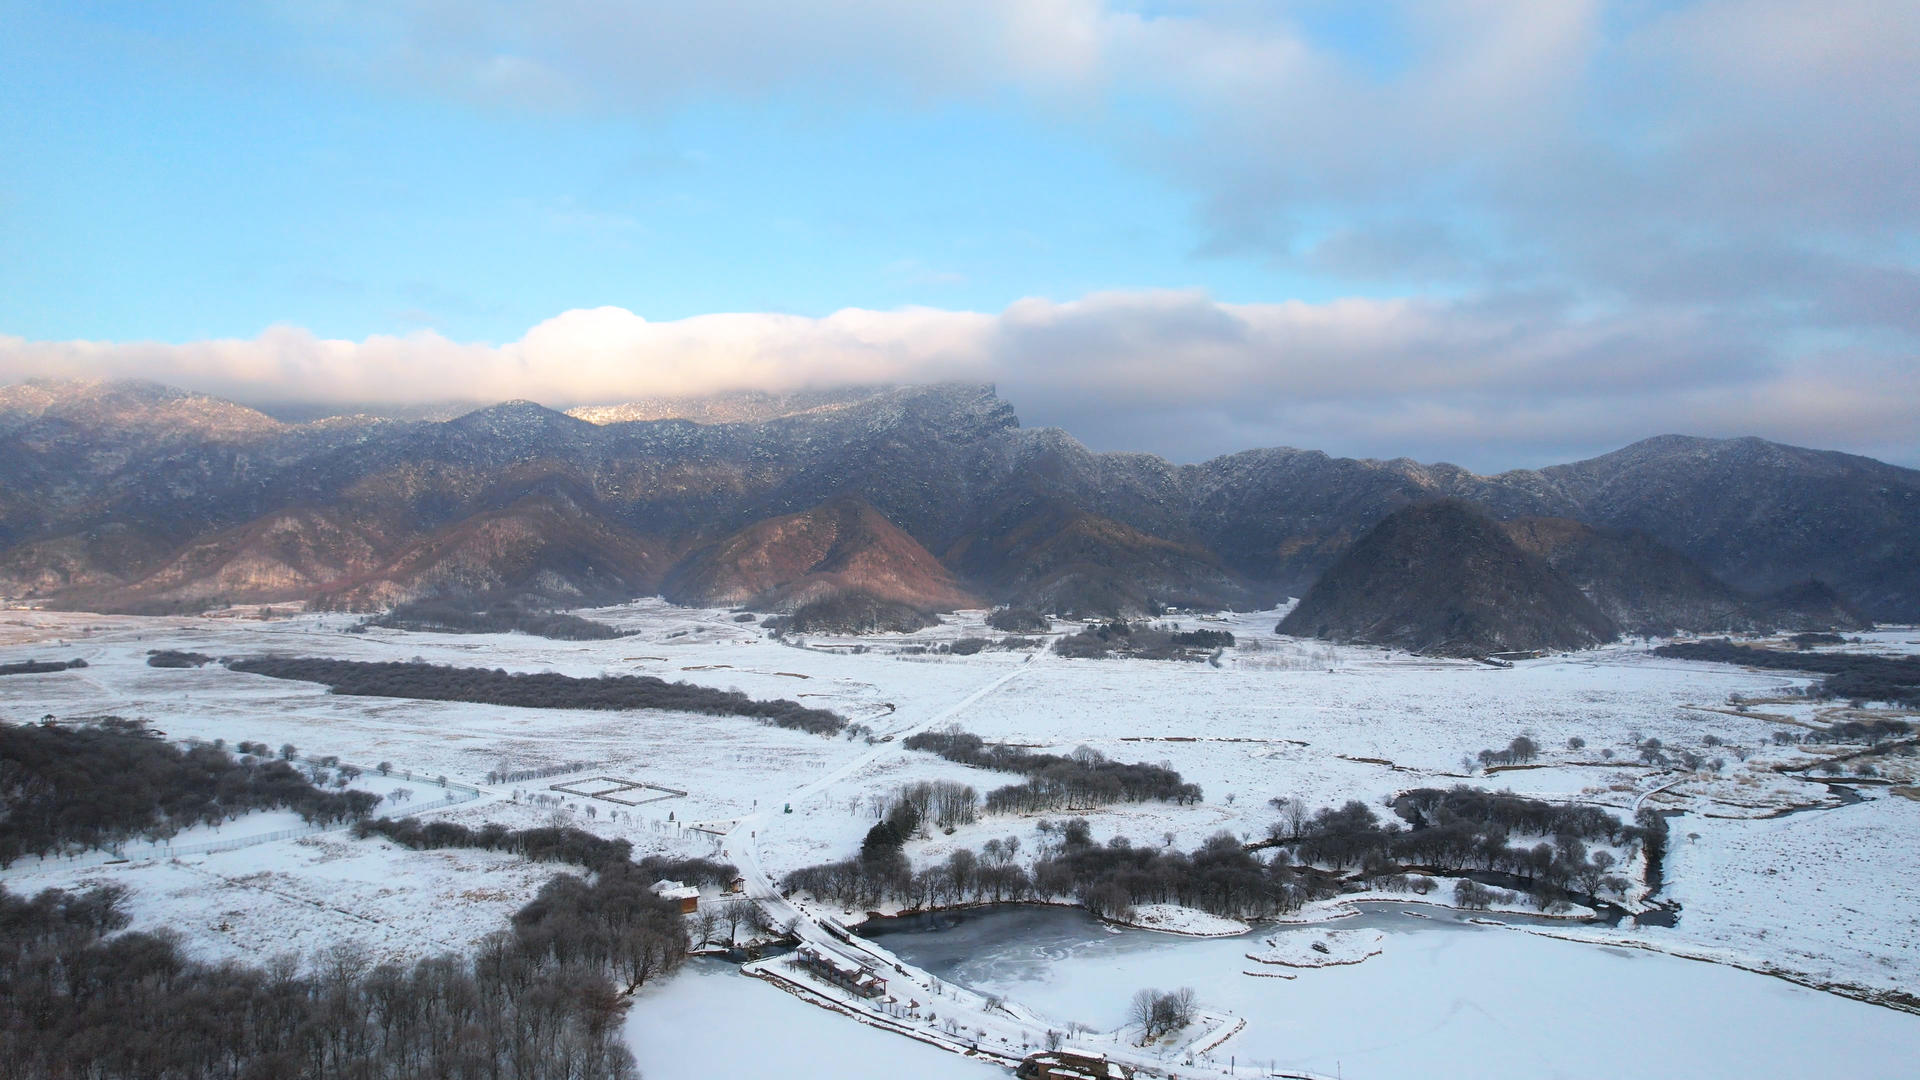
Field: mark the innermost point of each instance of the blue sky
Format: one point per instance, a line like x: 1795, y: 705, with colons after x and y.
x: 188, y: 180
x: 1494, y: 231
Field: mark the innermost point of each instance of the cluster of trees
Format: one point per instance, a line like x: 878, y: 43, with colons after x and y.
x: 1852, y: 676
x: 1160, y: 1011
x: 543, y: 690
x: 1142, y: 641
x: 851, y: 612
x: 1018, y: 620
x: 942, y: 804
x: 515, y: 776
x: 1518, y: 752
x: 1084, y: 778
x: 614, y: 923
x: 36, y: 667
x: 966, y: 646
x: 86, y: 1000
x: 1461, y: 830
x: 568, y: 845
x: 1425, y: 808
x: 1857, y: 731
x: 576, y: 846
x: 1109, y: 879
x: 454, y: 616
x: 99, y: 784
x: 882, y: 872
x: 176, y: 658
x: 1470, y: 895
x: 1464, y: 829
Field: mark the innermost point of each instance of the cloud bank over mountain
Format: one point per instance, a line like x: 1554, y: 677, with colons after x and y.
x: 1167, y: 371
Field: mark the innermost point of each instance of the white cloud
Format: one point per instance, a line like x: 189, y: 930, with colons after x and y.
x: 1486, y: 384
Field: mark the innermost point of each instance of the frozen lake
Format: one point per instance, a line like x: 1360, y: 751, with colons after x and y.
x: 1446, y: 999
x: 711, y: 1021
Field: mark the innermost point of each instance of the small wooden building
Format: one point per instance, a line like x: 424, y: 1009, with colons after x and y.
x: 686, y: 895
x: 840, y: 971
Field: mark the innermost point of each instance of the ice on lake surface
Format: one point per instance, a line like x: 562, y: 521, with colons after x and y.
x: 1445, y: 999
x: 711, y: 1021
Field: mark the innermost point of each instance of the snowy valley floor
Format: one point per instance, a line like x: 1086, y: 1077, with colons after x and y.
x: 1827, y: 895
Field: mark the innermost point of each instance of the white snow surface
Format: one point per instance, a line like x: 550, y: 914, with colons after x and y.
x: 1318, y: 947
x: 1827, y: 895
x: 1174, y: 919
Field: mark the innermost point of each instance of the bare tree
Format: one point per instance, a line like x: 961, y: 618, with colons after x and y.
x: 1142, y: 1010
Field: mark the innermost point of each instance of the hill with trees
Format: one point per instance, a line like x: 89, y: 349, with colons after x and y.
x: 1444, y: 579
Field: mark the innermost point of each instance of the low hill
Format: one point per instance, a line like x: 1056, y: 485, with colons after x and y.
x: 1441, y: 578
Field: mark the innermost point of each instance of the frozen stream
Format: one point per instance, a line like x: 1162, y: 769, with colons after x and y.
x: 1446, y: 999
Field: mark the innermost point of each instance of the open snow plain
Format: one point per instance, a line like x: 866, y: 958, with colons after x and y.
x: 1829, y: 896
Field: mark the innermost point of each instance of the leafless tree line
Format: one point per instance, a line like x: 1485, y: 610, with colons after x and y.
x: 85, y: 999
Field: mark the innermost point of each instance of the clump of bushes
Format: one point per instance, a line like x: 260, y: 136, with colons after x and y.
x: 37, y: 667
x: 175, y: 658
x: 1018, y: 620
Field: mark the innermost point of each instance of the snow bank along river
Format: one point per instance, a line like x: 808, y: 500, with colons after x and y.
x: 1446, y: 998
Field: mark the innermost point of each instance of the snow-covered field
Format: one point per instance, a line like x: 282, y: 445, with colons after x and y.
x: 1828, y: 895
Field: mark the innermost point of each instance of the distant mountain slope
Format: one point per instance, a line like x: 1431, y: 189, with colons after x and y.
x: 1646, y: 587
x: 286, y: 555
x: 1763, y: 516
x: 1642, y: 585
x: 545, y: 548
x: 843, y: 546
x: 108, y: 484
x: 1045, y: 554
x: 1444, y: 579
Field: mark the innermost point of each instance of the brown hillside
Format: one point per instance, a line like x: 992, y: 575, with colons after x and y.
x: 544, y: 548
x: 843, y: 546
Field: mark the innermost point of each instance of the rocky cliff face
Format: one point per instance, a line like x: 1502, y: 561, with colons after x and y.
x: 129, y: 495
